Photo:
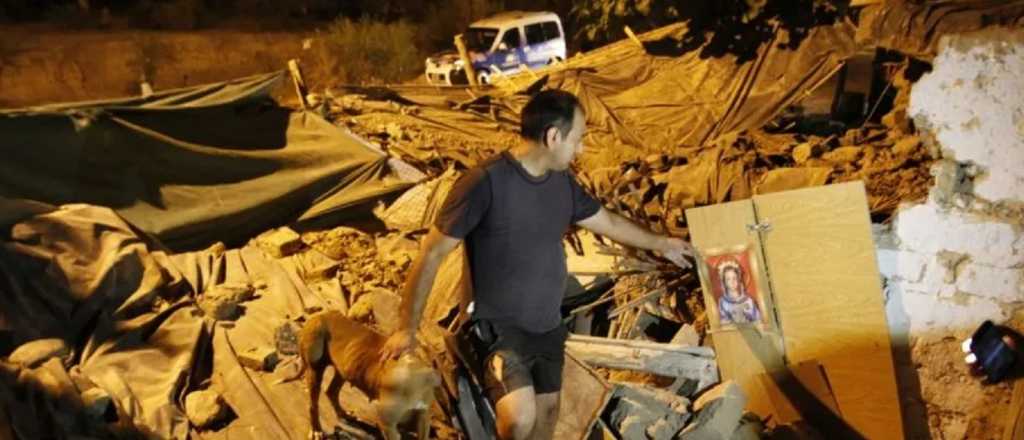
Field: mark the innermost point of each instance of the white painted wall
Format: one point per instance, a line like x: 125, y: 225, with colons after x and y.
x: 958, y: 259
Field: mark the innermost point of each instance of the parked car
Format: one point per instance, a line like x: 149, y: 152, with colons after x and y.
x: 500, y: 44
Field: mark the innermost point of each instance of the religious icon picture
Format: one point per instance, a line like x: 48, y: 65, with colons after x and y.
x: 731, y: 278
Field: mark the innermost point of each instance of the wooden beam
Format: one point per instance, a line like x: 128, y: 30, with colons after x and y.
x: 299, y: 82
x: 467, y: 63
x: 671, y: 360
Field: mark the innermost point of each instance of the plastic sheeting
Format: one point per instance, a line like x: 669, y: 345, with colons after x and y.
x: 656, y: 98
x: 915, y: 28
x: 193, y: 166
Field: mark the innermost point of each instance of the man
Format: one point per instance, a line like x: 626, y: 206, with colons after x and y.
x: 513, y: 211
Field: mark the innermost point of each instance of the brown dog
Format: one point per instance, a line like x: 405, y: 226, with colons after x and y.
x: 398, y: 387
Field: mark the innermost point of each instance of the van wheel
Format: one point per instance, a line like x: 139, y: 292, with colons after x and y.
x: 555, y: 60
x: 483, y: 78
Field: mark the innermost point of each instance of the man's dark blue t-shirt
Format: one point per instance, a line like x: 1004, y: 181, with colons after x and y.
x: 513, y: 224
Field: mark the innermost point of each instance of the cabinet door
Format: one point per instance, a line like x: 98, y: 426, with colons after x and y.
x: 744, y: 353
x: 821, y: 260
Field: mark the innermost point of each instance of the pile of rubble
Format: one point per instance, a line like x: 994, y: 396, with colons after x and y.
x: 645, y: 331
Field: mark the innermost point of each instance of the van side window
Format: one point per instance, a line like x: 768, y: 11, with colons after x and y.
x: 551, y: 30
x: 535, y: 34
x: 511, y: 38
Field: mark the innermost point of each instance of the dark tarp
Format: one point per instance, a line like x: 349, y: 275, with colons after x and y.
x: 192, y: 166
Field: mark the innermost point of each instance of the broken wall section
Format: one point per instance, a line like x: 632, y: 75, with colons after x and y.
x: 958, y: 259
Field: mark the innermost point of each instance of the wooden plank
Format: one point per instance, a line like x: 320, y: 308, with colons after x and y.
x: 745, y: 354
x: 584, y: 395
x: 670, y: 360
x: 824, y: 275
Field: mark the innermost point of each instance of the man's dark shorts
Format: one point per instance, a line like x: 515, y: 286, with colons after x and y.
x: 515, y: 359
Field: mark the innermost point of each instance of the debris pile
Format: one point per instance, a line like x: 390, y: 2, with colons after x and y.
x: 639, y: 325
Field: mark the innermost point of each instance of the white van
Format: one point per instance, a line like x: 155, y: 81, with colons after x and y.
x: 501, y: 44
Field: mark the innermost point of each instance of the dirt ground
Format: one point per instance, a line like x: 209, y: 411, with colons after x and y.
x: 40, y: 65
x: 959, y: 405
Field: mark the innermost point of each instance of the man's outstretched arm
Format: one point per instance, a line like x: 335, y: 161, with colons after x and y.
x: 435, y: 247
x: 622, y: 230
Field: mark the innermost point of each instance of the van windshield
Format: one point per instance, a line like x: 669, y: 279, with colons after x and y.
x: 480, y: 39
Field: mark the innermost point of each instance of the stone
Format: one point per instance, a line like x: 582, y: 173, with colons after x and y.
x: 951, y: 181
x: 647, y: 413
x: 321, y: 272
x: 843, y: 155
x: 97, y: 403
x: 221, y: 302
x: 805, y: 151
x: 687, y: 335
x: 719, y: 411
x: 33, y: 354
x: 204, y: 408
x: 259, y: 358
x: 238, y: 292
x: 386, y: 309
x: 280, y: 242
x: 362, y: 309
x: 907, y: 146
x: 395, y: 131
x: 220, y: 308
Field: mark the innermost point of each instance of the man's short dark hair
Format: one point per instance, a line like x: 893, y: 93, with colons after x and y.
x: 550, y: 108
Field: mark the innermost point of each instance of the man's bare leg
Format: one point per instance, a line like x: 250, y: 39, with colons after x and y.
x: 547, y: 416
x: 516, y: 413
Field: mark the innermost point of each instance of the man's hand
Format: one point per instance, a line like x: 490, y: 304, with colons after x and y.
x: 399, y: 343
x: 678, y: 251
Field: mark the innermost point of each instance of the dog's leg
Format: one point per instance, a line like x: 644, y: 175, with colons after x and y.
x: 311, y: 349
x: 388, y: 420
x: 313, y: 379
x: 423, y: 424
x: 334, y: 393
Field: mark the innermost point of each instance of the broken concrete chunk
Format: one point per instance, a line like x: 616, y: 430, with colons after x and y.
x: 280, y: 242
x: 843, y: 155
x: 907, y: 146
x: 646, y: 413
x: 805, y: 151
x: 221, y: 302
x: 204, y: 408
x: 395, y: 131
x: 386, y: 307
x: 259, y: 358
x: 33, y: 354
x: 687, y: 335
x: 396, y: 250
x: 238, y: 292
x: 321, y: 272
x: 97, y: 403
x: 286, y: 338
x: 361, y: 310
x: 719, y: 411
x: 951, y: 182
x: 220, y: 308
